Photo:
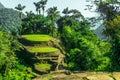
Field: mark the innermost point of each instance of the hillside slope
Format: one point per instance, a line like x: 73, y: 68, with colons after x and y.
x: 9, y: 20
x: 1, y: 6
x: 47, y: 53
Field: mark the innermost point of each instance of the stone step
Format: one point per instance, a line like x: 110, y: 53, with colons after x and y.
x: 37, y: 37
x: 46, y: 54
x: 42, y: 67
x: 34, y: 49
x: 55, y: 61
x: 46, y: 58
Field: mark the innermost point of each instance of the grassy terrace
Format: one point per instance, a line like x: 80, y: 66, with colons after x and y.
x: 42, y: 66
x: 41, y: 49
x: 37, y: 37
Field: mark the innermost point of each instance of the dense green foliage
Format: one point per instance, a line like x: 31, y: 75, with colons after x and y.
x: 36, y: 24
x: 7, y: 58
x: 84, y: 51
x: 109, y: 13
x: 10, y: 66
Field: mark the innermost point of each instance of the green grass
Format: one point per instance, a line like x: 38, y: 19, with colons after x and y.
x: 42, y: 49
x: 37, y: 37
x: 42, y: 66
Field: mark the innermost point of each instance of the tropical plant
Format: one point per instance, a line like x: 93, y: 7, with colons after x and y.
x: 43, y: 3
x: 54, y: 15
x: 20, y: 8
x: 83, y: 47
x: 65, y: 11
x: 7, y: 52
x: 11, y: 67
x: 38, y: 7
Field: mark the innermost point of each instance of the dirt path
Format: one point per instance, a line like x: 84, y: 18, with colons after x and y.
x: 81, y: 76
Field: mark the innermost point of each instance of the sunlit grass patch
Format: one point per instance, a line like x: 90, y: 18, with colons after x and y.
x: 37, y: 37
x: 42, y: 66
x: 42, y: 49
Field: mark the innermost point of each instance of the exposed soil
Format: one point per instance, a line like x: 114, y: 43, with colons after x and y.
x: 80, y: 76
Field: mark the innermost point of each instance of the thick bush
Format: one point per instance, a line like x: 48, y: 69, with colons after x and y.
x: 10, y: 66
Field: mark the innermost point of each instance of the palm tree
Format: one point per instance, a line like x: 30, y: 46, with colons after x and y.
x: 43, y: 3
x: 65, y: 11
x: 29, y: 13
x: 75, y: 13
x: 38, y: 7
x: 20, y: 8
x: 54, y: 15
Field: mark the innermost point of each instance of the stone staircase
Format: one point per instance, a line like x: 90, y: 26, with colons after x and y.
x: 46, y: 56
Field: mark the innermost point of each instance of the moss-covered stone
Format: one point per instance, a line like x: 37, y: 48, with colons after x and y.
x: 37, y: 37
x: 41, y: 49
x: 42, y: 67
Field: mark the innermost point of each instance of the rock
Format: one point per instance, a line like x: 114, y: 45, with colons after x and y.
x: 115, y: 75
x: 99, y: 77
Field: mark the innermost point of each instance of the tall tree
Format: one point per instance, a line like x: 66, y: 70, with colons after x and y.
x: 109, y: 11
x: 43, y: 3
x: 106, y: 8
x: 20, y: 8
x: 54, y: 15
x: 70, y: 18
x: 76, y: 14
x: 65, y: 11
x: 38, y: 7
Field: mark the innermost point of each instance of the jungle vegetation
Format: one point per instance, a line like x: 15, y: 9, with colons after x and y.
x: 85, y: 51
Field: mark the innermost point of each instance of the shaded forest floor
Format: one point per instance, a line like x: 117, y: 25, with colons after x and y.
x: 80, y: 76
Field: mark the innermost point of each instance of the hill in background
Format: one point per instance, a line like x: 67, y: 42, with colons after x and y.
x: 1, y: 6
x: 9, y: 20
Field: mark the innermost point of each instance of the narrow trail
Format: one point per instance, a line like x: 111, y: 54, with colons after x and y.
x: 80, y: 76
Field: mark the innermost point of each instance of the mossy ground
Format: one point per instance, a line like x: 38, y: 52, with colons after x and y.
x: 37, y: 37
x: 42, y: 49
x: 42, y: 66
